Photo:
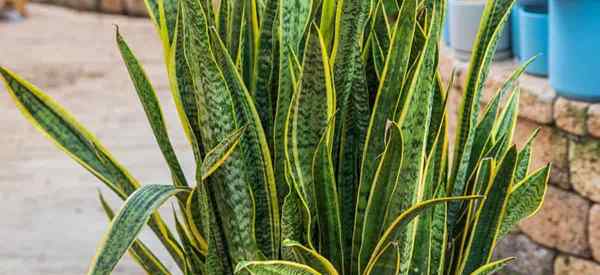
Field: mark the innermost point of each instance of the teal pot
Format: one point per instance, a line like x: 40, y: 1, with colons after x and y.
x: 515, y: 34
x: 533, y: 38
x: 574, y: 48
x: 464, y: 17
x: 446, y: 32
x: 533, y: 3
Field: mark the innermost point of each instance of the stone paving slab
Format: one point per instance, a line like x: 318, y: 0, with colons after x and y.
x: 51, y: 220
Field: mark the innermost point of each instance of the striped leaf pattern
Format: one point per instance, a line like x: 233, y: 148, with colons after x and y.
x: 321, y: 142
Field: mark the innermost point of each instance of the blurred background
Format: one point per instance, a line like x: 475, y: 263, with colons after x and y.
x: 52, y: 221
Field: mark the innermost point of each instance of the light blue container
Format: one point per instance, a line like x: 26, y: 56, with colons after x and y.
x: 515, y: 34
x: 530, y: 3
x: 575, y: 48
x: 533, y: 37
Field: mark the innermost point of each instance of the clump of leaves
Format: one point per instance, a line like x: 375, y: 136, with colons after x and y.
x: 320, y: 134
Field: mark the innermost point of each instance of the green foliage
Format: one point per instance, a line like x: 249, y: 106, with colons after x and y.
x: 320, y: 134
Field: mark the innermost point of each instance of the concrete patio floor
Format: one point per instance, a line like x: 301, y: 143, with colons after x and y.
x: 51, y: 219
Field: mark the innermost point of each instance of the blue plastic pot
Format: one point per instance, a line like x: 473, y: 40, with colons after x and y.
x: 446, y: 32
x: 532, y: 3
x: 575, y: 48
x: 515, y: 33
x: 533, y: 37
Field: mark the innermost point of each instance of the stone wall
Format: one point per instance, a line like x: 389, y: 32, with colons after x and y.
x: 564, y: 237
x: 128, y: 7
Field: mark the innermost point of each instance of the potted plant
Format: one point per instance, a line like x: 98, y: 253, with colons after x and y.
x: 533, y: 37
x: 463, y: 18
x: 301, y: 173
x: 574, y: 44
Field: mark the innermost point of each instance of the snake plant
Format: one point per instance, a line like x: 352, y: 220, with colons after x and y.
x: 320, y: 135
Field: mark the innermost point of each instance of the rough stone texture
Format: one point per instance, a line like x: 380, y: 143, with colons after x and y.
x: 584, y: 157
x: 111, y: 6
x: 81, y: 4
x: 561, y: 223
x: 532, y: 259
x: 571, y: 116
x: 537, y: 99
x: 547, y: 138
x: 594, y: 231
x: 54, y: 221
x: 593, y: 123
x: 567, y: 265
x: 135, y: 7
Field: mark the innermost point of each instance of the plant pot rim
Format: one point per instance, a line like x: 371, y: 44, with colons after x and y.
x: 534, y: 11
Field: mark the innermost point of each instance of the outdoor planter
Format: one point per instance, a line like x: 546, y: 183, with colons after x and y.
x: 574, y: 44
x: 533, y: 38
x: 530, y: 3
x: 463, y: 19
x: 514, y: 33
x: 446, y: 32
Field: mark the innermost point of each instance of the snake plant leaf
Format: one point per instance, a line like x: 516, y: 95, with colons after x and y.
x: 295, y: 222
x: 489, y: 217
x: 524, y: 158
x: 138, y: 250
x: 492, y: 267
x: 311, y: 258
x: 414, y: 119
x: 255, y: 150
x: 352, y: 103
x: 218, y: 155
x: 327, y: 204
x: 128, y: 223
x: 264, y: 64
x: 153, y: 12
x: 152, y: 108
x: 293, y: 20
x: 495, y: 16
x: 309, y: 116
x: 232, y: 192
x: 525, y: 199
x: 327, y: 22
x: 427, y: 247
x: 78, y: 143
x: 383, y: 110
x: 196, y: 220
x: 391, y: 234
x: 222, y: 20
x: 218, y: 260
x: 70, y: 136
x: 194, y: 265
x: 508, y: 118
x: 439, y: 234
x: 236, y: 23
x: 381, y: 190
x: 483, y: 179
x: 275, y: 268
x: 182, y: 89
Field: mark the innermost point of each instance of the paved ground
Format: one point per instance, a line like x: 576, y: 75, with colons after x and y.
x: 51, y: 222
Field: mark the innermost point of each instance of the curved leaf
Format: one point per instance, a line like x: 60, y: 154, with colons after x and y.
x: 492, y: 267
x: 525, y: 199
x: 275, y: 268
x: 125, y: 227
x: 152, y: 108
x: 311, y: 258
x: 138, y: 250
x: 218, y: 155
x: 392, y: 232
